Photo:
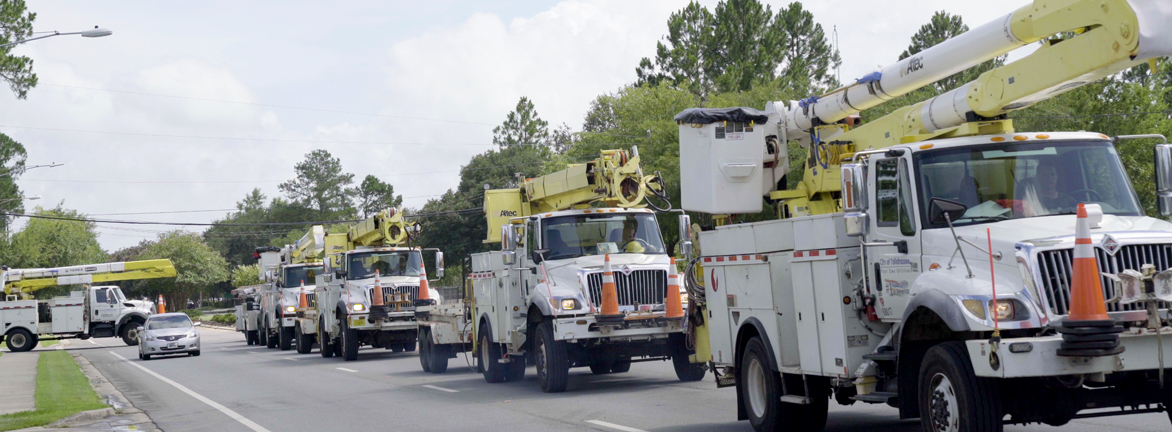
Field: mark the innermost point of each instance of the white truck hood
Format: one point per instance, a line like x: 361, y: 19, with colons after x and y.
x: 1040, y: 231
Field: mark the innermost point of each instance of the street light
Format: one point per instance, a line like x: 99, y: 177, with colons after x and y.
x: 32, y: 198
x: 22, y: 170
x: 91, y: 33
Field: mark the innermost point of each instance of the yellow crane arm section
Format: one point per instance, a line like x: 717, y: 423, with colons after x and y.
x: 30, y: 280
x: 615, y: 179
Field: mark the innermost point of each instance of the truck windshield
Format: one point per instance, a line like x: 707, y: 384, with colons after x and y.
x: 391, y: 263
x: 295, y: 276
x: 1020, y: 180
x: 596, y: 234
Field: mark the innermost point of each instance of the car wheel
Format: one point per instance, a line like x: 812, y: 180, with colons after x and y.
x: 146, y: 357
x: 130, y: 333
x: 195, y: 354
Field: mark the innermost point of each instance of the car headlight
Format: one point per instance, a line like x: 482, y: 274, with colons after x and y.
x: 569, y: 304
x: 290, y: 309
x: 149, y: 337
x: 1004, y: 309
x: 192, y: 334
x: 357, y: 307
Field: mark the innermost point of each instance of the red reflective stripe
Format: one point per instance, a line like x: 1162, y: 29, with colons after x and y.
x: 831, y: 252
x: 761, y: 257
x: 798, y: 254
x: 719, y: 259
x: 707, y: 259
x: 732, y: 258
x: 813, y: 253
x: 1082, y: 241
x: 745, y: 257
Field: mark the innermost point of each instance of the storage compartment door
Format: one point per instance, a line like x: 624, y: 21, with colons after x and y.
x: 721, y: 337
x: 828, y: 294
x: 805, y: 306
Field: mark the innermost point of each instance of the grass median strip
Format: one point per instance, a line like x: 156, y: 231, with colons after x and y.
x: 62, y: 390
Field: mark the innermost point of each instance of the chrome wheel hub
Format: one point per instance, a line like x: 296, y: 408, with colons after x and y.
x: 943, y: 406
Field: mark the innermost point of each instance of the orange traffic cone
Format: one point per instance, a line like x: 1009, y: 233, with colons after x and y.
x: 1086, y: 291
x: 377, y: 300
x: 610, y: 295
x: 673, y: 304
x: 303, y: 302
x: 424, y: 293
x: 162, y: 305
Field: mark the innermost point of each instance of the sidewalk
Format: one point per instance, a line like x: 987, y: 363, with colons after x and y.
x: 18, y: 378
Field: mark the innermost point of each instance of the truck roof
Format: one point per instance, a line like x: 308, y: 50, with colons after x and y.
x: 1019, y: 137
x: 593, y: 211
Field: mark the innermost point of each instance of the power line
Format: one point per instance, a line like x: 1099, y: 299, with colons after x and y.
x: 242, y: 139
x: 162, y: 212
x: 127, y: 222
x: 267, y: 105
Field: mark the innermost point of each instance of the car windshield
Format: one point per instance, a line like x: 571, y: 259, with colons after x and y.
x: 296, y: 276
x: 1021, y: 180
x: 392, y: 263
x: 596, y: 234
x: 168, y: 322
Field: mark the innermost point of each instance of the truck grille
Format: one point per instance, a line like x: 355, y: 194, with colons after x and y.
x: 1056, y: 266
x: 311, y: 300
x: 645, y: 287
x: 412, y: 292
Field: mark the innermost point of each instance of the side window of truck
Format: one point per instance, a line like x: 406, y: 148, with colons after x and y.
x: 893, y: 195
x: 100, y: 295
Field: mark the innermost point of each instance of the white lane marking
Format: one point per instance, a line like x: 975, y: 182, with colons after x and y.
x: 92, y: 341
x: 441, y: 389
x: 347, y: 370
x: 255, y: 352
x: 614, y: 426
x: 228, y: 412
x: 290, y: 359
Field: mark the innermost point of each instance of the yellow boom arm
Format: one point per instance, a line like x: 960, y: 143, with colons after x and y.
x: 27, y: 281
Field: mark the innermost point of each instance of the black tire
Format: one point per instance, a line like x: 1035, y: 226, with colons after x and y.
x: 760, y: 389
x: 425, y: 349
x: 515, y: 370
x: 253, y: 337
x: 146, y: 357
x: 140, y: 356
x: 553, y: 362
x: 600, y: 367
x: 304, y: 341
x: 20, y: 340
x: 194, y: 353
x: 247, y: 337
x: 621, y: 365
x: 270, y: 338
x: 686, y: 371
x: 950, y: 393
x: 326, y: 347
x: 286, y: 338
x: 409, y: 346
x: 130, y: 332
x: 490, y: 352
x: 396, y: 347
x: 349, y: 343
x: 439, y: 358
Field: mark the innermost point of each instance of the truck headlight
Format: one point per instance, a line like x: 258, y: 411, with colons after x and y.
x: 290, y: 309
x: 975, y: 307
x: 357, y: 307
x: 569, y: 304
x: 1003, y: 310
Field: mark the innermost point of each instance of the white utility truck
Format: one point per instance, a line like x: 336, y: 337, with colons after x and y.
x: 248, y: 312
x: 925, y: 261
x: 94, y: 311
x: 295, y: 273
x: 372, y: 284
x: 545, y: 294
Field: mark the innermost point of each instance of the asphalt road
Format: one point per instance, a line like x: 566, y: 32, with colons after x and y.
x: 236, y: 387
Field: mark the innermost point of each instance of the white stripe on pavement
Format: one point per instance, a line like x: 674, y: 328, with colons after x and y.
x: 614, y: 426
x: 347, y: 370
x: 441, y: 389
x: 92, y: 341
x: 290, y: 359
x: 233, y: 414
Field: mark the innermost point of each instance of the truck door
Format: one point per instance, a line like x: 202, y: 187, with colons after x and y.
x: 894, y: 255
x: 100, y: 307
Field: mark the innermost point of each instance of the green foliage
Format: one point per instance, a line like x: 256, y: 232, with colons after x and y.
x: 55, y: 243
x: 16, y: 23
x: 245, y: 275
x: 320, y: 184
x: 62, y: 391
x: 194, y: 314
x: 941, y: 27
x: 200, y: 269
x: 223, y: 319
x: 236, y: 243
x: 12, y: 163
x: 374, y: 196
x: 522, y: 127
x: 739, y: 45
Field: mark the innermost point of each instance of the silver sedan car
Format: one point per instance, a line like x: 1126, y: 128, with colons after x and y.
x: 170, y: 333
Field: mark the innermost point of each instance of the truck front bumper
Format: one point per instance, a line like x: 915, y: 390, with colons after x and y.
x: 586, y: 327
x: 395, y: 321
x: 1038, y: 356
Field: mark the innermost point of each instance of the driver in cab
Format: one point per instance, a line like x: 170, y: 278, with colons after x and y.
x: 630, y: 243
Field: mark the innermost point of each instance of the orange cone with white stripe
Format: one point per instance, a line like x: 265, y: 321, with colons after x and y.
x: 377, y: 295
x: 673, y: 304
x: 610, y: 294
x: 1086, y: 291
x: 424, y: 293
x: 162, y: 305
x: 303, y: 302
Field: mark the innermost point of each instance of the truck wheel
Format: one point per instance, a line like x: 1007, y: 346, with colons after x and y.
x: 621, y: 365
x: 952, y: 397
x: 272, y: 336
x: 286, y: 338
x: 130, y: 333
x: 760, y: 388
x: 686, y: 371
x: 515, y: 370
x: 262, y: 336
x: 247, y: 337
x: 553, y: 363
x: 304, y: 341
x: 20, y: 340
x: 349, y: 343
x: 409, y: 346
x: 425, y: 348
x: 600, y: 367
x: 438, y: 358
x: 396, y: 347
x: 490, y: 352
x: 326, y: 344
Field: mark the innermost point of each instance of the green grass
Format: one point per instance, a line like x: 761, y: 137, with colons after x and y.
x: 224, y: 318
x: 48, y: 342
x: 62, y: 391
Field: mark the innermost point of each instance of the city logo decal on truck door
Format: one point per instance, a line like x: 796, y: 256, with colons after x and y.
x: 895, y: 288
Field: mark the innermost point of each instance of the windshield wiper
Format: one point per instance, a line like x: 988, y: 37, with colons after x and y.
x: 982, y: 219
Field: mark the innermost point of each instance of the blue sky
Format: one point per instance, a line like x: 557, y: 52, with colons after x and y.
x: 466, y: 62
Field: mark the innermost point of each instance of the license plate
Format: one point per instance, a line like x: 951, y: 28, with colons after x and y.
x: 172, y: 344
x: 358, y: 322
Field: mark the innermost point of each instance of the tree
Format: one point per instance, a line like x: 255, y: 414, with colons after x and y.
x: 245, y: 275
x: 12, y: 165
x: 808, y: 56
x: 56, y: 243
x: 375, y: 196
x: 255, y: 200
x: 320, y: 184
x: 200, y: 269
x: 521, y: 127
x: 16, y: 23
x: 944, y: 26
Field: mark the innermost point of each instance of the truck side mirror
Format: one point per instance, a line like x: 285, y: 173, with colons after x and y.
x: 941, y: 211
x: 439, y: 265
x: 1164, y: 179
x: 539, y: 255
x: 685, y: 235
x: 854, y: 188
x: 507, y: 238
x: 340, y: 274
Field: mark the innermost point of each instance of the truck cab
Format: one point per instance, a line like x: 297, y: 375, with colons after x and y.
x: 282, y: 297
